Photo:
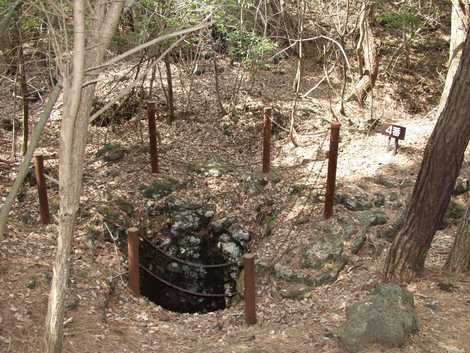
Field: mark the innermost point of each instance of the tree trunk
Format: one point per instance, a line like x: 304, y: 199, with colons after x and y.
x: 169, y: 81
x: 441, y: 164
x: 459, y: 27
x: 23, y: 86
x: 74, y: 132
x: 459, y: 257
x: 368, y: 57
x: 217, y: 86
x: 23, y: 171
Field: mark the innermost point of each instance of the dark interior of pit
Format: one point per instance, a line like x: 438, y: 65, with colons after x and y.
x: 191, y: 236
x: 197, y: 280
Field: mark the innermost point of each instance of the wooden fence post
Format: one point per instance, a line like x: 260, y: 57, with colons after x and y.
x: 151, y: 112
x: 250, y: 289
x: 332, y: 165
x: 267, y: 132
x: 133, y: 258
x: 42, y: 189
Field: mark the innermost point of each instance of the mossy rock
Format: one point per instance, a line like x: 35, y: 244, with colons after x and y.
x: 379, y: 218
x: 295, y: 291
x: 161, y: 188
x: 111, y: 152
x: 328, y: 248
x: 387, y: 317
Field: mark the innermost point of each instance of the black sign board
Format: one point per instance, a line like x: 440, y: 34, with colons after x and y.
x: 396, y: 131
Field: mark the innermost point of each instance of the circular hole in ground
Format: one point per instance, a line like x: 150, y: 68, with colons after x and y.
x: 188, y: 288
x: 192, y: 263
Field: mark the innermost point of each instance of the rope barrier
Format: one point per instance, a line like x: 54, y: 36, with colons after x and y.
x: 184, y: 262
x: 187, y: 291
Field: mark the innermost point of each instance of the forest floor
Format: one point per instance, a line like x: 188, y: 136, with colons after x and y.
x: 103, y: 316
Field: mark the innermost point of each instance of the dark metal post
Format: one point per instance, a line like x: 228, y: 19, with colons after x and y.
x: 42, y: 189
x: 267, y: 132
x: 133, y: 257
x: 332, y: 164
x: 250, y: 289
x: 151, y: 112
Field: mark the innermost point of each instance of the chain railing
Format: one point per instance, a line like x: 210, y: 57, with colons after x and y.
x: 133, y: 238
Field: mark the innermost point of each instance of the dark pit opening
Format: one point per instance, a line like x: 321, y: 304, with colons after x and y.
x: 197, y: 280
x: 190, y: 260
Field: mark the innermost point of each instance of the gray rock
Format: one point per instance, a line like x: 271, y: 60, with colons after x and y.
x: 386, y: 317
x: 241, y: 236
x: 225, y: 238
x: 379, y: 200
x: 111, y: 152
x: 160, y: 189
x: 230, y: 249
x: 354, y: 203
x: 283, y: 272
x: 358, y: 243
x: 461, y: 186
x: 378, y: 218
x: 219, y: 226
x: 185, y: 221
x: 295, y: 291
x: 213, y: 170
x: 327, y: 249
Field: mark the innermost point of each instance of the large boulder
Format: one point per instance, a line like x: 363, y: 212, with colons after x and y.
x: 387, y: 317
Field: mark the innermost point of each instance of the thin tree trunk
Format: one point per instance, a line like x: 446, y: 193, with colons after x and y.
x: 169, y: 81
x: 217, y: 86
x: 72, y: 136
x: 74, y: 132
x: 37, y: 131
x: 459, y: 28
x: 459, y: 257
x: 368, y: 58
x: 23, y: 87
x: 441, y: 164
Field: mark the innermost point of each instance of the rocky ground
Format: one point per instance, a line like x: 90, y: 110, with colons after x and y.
x: 309, y: 270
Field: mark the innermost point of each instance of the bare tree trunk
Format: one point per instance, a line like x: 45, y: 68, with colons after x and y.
x: 217, y: 86
x: 69, y: 182
x: 368, y: 57
x: 169, y: 81
x: 434, y: 185
x: 459, y: 28
x: 459, y: 257
x: 74, y: 132
x: 6, y: 207
x: 23, y: 86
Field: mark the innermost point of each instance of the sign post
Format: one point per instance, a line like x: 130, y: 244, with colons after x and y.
x: 398, y: 133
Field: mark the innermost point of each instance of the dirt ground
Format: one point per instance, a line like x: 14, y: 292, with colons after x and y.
x: 103, y: 316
